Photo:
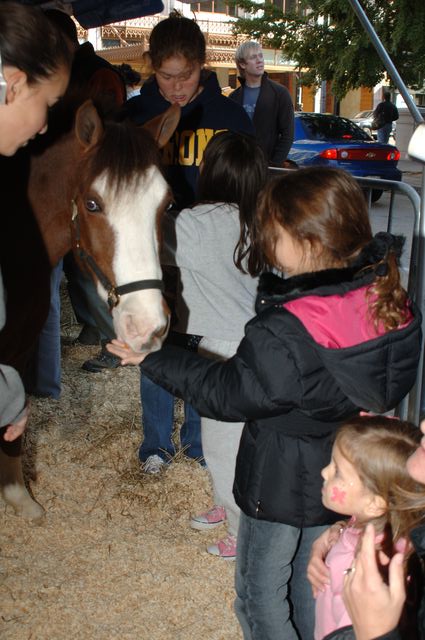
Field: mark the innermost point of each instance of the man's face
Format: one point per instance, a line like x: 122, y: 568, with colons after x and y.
x: 254, y: 63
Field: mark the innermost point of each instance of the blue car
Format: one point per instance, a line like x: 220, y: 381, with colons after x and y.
x: 332, y: 141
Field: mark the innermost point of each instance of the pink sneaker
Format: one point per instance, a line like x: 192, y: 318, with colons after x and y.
x: 209, y: 519
x: 225, y: 548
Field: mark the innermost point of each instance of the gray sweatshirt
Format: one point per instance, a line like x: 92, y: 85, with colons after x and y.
x: 12, y: 394
x: 201, y: 242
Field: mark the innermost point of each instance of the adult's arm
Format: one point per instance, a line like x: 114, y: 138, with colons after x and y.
x: 12, y: 396
x: 285, y: 136
x: 317, y: 571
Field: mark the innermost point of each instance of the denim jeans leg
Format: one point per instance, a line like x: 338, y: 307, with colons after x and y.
x: 301, y: 594
x: 190, y: 433
x: 265, y: 551
x: 385, y: 132
x: 45, y: 375
x: 158, y: 420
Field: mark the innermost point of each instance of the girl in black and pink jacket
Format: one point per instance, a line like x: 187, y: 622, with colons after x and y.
x: 336, y: 336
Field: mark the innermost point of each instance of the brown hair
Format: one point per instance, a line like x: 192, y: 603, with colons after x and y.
x: 378, y: 448
x: 234, y: 170
x: 30, y: 42
x: 327, y: 208
x: 176, y: 36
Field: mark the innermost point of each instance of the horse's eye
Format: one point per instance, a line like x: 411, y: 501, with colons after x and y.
x: 92, y: 206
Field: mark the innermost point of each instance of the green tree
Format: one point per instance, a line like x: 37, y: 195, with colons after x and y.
x: 327, y: 42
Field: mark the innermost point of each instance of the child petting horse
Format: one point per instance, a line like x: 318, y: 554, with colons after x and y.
x: 337, y: 335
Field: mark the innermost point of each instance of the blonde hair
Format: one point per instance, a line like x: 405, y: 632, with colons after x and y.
x: 378, y: 448
x: 241, y: 53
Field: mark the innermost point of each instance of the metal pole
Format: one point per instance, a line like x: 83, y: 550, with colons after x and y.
x: 416, y: 401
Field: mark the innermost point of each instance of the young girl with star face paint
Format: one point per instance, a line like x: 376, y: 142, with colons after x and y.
x: 367, y: 479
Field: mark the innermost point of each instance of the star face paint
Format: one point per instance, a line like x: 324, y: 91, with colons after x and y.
x: 338, y: 495
x: 343, y: 491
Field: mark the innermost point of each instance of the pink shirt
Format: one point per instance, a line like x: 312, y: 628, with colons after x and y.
x: 331, y: 613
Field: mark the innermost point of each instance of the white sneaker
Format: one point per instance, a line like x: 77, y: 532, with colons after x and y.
x: 153, y: 464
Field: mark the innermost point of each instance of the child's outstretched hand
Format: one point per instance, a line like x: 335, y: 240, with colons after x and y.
x: 317, y: 571
x: 123, y: 351
x: 374, y: 607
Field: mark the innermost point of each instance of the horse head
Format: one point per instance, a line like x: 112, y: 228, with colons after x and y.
x: 118, y: 197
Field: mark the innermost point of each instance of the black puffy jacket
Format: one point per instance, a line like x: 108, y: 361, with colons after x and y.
x: 292, y: 391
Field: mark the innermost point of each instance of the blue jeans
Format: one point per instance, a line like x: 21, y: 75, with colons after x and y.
x: 89, y: 308
x: 385, y: 132
x: 270, y: 604
x: 158, y: 422
x: 44, y: 377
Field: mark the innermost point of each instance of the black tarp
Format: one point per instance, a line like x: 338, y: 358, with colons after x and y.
x: 95, y: 13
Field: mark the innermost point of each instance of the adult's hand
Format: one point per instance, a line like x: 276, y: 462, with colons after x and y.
x: 16, y: 429
x: 374, y: 607
x: 317, y: 571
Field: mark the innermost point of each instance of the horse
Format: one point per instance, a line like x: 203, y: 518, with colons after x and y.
x: 98, y: 189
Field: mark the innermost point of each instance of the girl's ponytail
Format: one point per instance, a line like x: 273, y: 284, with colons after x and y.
x: 389, y: 305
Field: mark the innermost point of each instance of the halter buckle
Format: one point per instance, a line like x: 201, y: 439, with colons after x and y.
x: 113, y: 298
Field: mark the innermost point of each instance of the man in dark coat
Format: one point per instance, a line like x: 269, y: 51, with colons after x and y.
x: 385, y: 114
x: 268, y: 103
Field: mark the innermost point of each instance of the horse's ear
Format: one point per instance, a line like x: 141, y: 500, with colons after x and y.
x: 162, y: 127
x: 88, y: 125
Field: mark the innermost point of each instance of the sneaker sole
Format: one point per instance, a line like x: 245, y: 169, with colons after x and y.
x: 205, y: 526
x: 217, y: 555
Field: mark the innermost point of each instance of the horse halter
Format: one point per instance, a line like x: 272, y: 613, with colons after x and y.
x: 114, y: 292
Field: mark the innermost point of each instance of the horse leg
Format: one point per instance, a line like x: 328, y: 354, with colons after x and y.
x: 12, y: 482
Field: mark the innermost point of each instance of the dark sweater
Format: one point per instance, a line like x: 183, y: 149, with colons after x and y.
x: 207, y: 114
x: 273, y: 118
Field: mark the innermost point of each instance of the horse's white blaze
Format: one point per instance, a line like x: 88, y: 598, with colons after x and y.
x: 140, y: 319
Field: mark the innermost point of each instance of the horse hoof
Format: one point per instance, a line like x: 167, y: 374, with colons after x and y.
x: 18, y: 497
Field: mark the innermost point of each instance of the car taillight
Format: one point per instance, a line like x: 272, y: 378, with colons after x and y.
x: 329, y: 154
x: 394, y: 155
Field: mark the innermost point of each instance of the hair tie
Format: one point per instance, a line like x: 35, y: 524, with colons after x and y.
x: 377, y: 250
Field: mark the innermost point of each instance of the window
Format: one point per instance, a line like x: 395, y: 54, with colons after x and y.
x: 287, y: 6
x: 214, y: 6
x: 324, y: 127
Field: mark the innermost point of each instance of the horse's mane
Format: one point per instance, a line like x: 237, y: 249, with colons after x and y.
x: 124, y: 152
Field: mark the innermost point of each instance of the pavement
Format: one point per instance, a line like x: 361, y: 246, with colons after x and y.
x: 412, y: 172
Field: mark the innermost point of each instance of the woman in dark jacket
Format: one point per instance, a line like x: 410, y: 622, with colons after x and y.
x: 338, y: 335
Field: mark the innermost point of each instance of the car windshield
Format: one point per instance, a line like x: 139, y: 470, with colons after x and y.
x: 363, y: 114
x: 320, y: 127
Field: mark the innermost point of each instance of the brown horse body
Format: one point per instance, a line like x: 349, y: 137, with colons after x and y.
x: 96, y: 189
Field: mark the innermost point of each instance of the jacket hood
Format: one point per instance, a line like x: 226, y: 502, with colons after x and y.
x: 273, y: 289
x: 377, y: 373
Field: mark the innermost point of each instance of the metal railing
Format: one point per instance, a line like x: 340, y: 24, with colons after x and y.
x: 411, y: 407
